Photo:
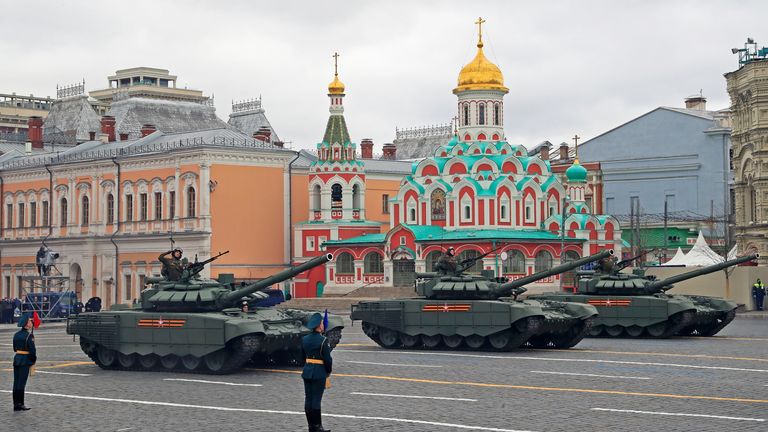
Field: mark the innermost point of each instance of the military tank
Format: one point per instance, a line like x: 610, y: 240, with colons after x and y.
x: 463, y: 311
x: 637, y: 305
x: 192, y: 325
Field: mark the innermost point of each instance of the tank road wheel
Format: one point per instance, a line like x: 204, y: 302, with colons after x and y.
x: 596, y: 330
x: 453, y: 341
x: 105, y: 357
x: 216, y: 360
x: 408, y: 340
x: 148, y: 361
x: 432, y: 342
x: 634, y: 331
x: 126, y: 361
x: 475, y: 342
x: 190, y: 362
x: 502, y: 341
x: 169, y: 362
x: 388, y: 338
x: 657, y: 330
x: 614, y: 330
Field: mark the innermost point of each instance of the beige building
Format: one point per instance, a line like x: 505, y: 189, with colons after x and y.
x: 748, y: 89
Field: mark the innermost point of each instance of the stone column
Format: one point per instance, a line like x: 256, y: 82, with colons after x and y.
x: 205, y: 196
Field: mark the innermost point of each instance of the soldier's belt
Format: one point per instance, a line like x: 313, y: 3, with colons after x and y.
x: 22, y: 352
x: 314, y: 361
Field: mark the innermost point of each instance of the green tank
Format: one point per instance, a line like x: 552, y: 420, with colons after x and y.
x: 193, y: 325
x: 637, y: 305
x: 462, y: 311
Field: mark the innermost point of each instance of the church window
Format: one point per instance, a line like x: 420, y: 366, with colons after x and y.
x: 496, y: 116
x: 310, y: 243
x: 45, y: 213
x: 356, y: 197
x: 504, y: 209
x: 466, y: 114
x: 21, y: 215
x: 437, y: 200
x: 467, y: 212
x: 110, y: 209
x: 336, y: 196
x: 64, y: 210
x: 85, y: 212
x: 373, y: 263
x: 469, y: 254
x: 320, y: 242
x: 481, y: 114
x: 191, y: 202
x: 515, y: 262
x: 385, y: 203
x: 431, y: 260
x: 529, y: 210
x: 543, y: 261
x: 158, y: 205
x: 552, y: 205
x: 316, y: 196
x: 345, y: 264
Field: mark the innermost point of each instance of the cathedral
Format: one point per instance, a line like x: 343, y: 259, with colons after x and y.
x: 478, y: 193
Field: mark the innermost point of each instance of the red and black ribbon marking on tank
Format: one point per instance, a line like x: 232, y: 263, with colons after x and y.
x: 161, y: 322
x: 610, y: 302
x: 446, y: 308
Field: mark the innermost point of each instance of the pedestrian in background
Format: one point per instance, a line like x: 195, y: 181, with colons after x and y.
x: 758, y: 294
x: 24, y: 359
x: 317, y: 371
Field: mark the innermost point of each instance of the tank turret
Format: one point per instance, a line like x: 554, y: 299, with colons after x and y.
x: 612, y: 283
x: 472, y: 287
x: 199, y: 295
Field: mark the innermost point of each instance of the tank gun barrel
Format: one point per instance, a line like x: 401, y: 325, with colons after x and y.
x: 562, y: 268
x: 666, y: 284
x: 233, y: 296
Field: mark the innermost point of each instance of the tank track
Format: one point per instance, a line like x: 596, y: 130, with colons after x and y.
x: 517, y: 336
x: 221, y: 362
x: 292, y: 357
x: 663, y: 330
x: 709, y: 325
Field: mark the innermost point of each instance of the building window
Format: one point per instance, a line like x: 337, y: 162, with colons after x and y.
x: 143, y: 207
x: 753, y: 201
x: 7, y: 287
x: 385, y: 203
x: 481, y: 114
x: 466, y: 114
x: 431, y: 260
x: 9, y: 216
x: 64, y: 210
x: 321, y: 242
x: 552, y: 206
x: 21, y: 215
x: 33, y: 214
x: 127, y: 287
x: 191, y: 202
x: 496, y: 114
x: 171, y: 204
x: 45, y: 213
x: 437, y: 200
x: 110, y: 209
x: 129, y: 208
x: 373, y: 263
x: 504, y: 209
x: 470, y: 254
x: 142, y: 282
x: 310, y: 243
x: 543, y: 261
x: 85, y: 211
x: 515, y: 263
x: 158, y: 205
x: 402, y: 241
x: 336, y: 196
x: 529, y: 211
x: 345, y: 264
x: 316, y: 198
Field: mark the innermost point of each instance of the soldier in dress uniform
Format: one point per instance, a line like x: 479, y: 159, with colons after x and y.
x: 173, y: 267
x: 25, y: 358
x: 446, y: 264
x: 317, y: 371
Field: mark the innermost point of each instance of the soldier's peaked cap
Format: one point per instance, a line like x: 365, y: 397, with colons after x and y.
x: 315, y: 320
x: 24, y: 318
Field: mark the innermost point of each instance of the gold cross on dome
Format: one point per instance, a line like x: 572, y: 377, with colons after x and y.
x: 479, y: 23
x: 335, y: 63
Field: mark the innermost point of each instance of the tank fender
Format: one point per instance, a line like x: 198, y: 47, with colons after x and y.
x: 582, y: 310
x: 680, y: 304
x: 334, y: 322
x: 239, y: 327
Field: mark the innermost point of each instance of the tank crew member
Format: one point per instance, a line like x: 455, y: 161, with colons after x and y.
x: 316, y: 371
x: 172, y: 267
x: 25, y: 358
x: 244, y: 306
x: 758, y: 293
x: 607, y: 264
x: 446, y: 264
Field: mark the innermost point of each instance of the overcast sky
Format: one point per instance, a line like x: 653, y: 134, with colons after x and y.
x: 572, y: 67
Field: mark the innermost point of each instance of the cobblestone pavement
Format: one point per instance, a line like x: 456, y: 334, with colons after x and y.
x: 688, y: 384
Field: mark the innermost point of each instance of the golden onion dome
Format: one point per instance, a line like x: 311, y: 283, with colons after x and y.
x: 336, y: 86
x: 480, y: 74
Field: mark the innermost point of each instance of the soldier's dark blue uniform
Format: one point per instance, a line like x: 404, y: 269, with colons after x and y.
x: 23, y: 360
x: 317, y: 369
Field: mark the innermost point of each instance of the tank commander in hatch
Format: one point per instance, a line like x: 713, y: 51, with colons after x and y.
x: 173, y: 267
x: 607, y: 264
x: 446, y: 264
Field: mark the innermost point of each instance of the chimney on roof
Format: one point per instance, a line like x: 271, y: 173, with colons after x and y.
x: 279, y: 144
x: 91, y: 136
x: 544, y: 152
x: 35, y: 132
x: 697, y: 102
x: 123, y: 137
x: 108, y: 127
x: 390, y: 151
x: 366, y: 148
x: 147, y: 129
x: 563, y: 151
